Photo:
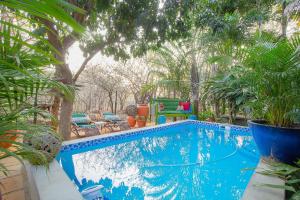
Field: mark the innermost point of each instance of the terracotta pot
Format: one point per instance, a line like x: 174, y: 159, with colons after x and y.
x: 9, y: 137
x: 210, y: 119
x: 131, y: 121
x: 143, y: 110
x: 141, y: 123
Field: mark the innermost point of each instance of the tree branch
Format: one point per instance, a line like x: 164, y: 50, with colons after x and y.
x: 69, y: 40
x: 90, y: 56
x: 83, y: 65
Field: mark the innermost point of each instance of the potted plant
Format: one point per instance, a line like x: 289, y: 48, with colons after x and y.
x: 143, y: 110
x: 141, y: 121
x: 7, y: 138
x: 273, y: 76
x: 131, y: 111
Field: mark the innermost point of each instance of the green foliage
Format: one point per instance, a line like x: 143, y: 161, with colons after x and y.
x: 171, y: 66
x: 125, y: 28
x: 16, y: 124
x: 24, y: 56
x: 232, y: 19
x: 54, y: 11
x: 290, y: 174
x: 272, y: 72
x: 266, y: 83
x: 206, y: 115
x: 230, y: 87
x: 21, y: 72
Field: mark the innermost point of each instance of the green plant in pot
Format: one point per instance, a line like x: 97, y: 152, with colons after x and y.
x: 273, y: 75
x: 131, y: 111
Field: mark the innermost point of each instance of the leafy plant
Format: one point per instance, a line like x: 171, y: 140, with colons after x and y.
x: 131, y: 110
x: 24, y: 56
x: 171, y: 66
x: 206, y: 115
x: 231, y: 88
x: 272, y: 74
x: 290, y: 174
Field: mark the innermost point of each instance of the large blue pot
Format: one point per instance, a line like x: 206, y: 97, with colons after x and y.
x: 283, y: 144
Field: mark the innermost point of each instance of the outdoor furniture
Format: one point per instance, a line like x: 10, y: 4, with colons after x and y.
x: 82, y: 122
x: 161, y: 119
x: 113, y: 122
x: 170, y: 107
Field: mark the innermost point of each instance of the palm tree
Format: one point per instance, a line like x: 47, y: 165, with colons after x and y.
x: 170, y: 66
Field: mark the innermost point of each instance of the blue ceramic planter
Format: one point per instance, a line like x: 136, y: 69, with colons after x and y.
x: 283, y: 144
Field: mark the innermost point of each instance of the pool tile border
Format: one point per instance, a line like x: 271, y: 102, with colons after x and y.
x: 101, y: 139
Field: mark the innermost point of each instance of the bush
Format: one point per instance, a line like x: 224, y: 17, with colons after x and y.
x: 203, y: 116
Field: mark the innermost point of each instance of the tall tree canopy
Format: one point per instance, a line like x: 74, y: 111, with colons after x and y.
x: 118, y: 28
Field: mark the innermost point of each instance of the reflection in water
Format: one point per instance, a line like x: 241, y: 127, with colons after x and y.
x: 186, y: 163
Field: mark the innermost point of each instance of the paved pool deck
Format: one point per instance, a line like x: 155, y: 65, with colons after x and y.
x: 256, y: 192
x: 13, y: 186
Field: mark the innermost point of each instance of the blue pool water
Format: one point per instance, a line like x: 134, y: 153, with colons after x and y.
x: 186, y: 161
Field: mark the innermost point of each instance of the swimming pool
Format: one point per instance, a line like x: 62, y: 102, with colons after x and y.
x: 184, y: 160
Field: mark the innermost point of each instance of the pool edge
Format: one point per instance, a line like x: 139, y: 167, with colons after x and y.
x: 95, y: 140
x: 46, y: 184
x: 49, y: 184
x: 254, y: 192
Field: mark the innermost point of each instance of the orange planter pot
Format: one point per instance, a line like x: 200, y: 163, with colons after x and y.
x: 141, y: 123
x: 143, y: 110
x: 131, y: 121
x: 8, y: 137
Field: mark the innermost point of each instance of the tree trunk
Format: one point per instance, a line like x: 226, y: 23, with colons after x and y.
x: 63, y: 74
x: 55, y: 111
x: 259, y: 21
x: 136, y: 98
x: 169, y: 93
x: 65, y: 118
x: 174, y: 93
x: 66, y: 105
x: 195, y: 84
x: 217, y: 108
x: 122, y: 99
x: 111, y: 102
x: 284, y: 20
x: 223, y: 110
x: 116, y: 101
x: 203, y: 105
x: 231, y: 112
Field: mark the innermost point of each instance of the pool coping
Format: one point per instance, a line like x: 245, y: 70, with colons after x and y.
x: 95, y: 140
x: 49, y: 184
x: 44, y: 184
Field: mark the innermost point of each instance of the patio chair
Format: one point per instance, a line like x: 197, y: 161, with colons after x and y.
x: 113, y: 122
x: 82, y: 122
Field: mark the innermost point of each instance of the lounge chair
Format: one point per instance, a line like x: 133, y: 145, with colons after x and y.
x: 114, y: 122
x: 82, y: 122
